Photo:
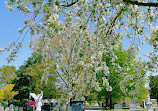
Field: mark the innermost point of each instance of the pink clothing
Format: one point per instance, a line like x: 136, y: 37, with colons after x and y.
x: 30, y: 103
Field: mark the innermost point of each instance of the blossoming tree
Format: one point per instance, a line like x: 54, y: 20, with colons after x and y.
x: 75, y: 34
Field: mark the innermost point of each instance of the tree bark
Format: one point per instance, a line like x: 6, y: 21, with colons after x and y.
x: 111, y: 106
x: 152, y: 4
x: 107, y: 102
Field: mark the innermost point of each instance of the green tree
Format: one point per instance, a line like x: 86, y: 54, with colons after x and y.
x: 22, y: 85
x: 7, y: 74
x: 6, y: 93
x: 23, y: 82
x: 29, y: 79
x: 35, y: 71
x: 153, y: 84
x: 116, y: 75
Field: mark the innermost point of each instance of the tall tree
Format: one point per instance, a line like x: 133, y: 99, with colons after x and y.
x: 86, y: 31
x: 153, y: 84
x: 119, y: 69
x: 35, y: 71
x: 23, y: 82
x: 29, y: 79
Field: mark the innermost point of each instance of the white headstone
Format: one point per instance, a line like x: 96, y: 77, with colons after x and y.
x: 7, y: 109
x: 53, y: 100
x: 148, y: 99
x: 132, y: 107
x: 149, y: 103
x: 155, y: 109
x: 117, y: 107
x: 154, y: 103
x: 11, y: 107
x: 20, y: 108
x: 137, y: 105
x: 16, y: 108
x: 96, y: 104
x: 1, y: 108
x: 45, y: 101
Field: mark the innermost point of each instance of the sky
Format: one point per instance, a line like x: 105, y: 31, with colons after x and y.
x: 10, y: 22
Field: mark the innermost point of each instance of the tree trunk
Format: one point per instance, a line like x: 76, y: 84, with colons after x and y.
x: 107, y: 102
x: 111, y: 107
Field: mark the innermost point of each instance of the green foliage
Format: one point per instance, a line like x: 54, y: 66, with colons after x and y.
x: 153, y: 86
x: 29, y: 79
x: 4, y: 104
x: 6, y: 92
x: 18, y: 103
x: 23, y: 86
x: 116, y: 75
x: 7, y: 74
x: 36, y: 72
x: 23, y: 81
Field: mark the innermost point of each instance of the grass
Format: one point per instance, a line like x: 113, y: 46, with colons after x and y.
x: 144, y: 109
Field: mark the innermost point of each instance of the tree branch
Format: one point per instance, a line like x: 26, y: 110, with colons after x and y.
x: 61, y: 77
x: 114, y: 20
x: 69, y: 5
x: 152, y: 4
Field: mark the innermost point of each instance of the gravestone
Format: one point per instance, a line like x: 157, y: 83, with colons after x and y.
x: 45, y: 101
x: 7, y: 109
x: 137, y: 105
x: 11, y: 107
x: 117, y: 107
x: 149, y: 104
x: 30, y: 108
x: 1, y: 108
x: 96, y: 104
x: 132, y: 107
x: 16, y: 108
x: 154, y: 103
x: 156, y: 109
x: 20, y: 108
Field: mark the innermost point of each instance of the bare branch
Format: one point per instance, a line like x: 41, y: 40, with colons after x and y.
x: 71, y: 4
x: 152, y: 4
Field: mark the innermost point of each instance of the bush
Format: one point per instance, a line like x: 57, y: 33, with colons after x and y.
x: 18, y: 103
x: 4, y: 104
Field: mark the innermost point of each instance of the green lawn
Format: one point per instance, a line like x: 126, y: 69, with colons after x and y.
x: 144, y: 109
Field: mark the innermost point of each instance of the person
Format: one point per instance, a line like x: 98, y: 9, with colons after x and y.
x: 30, y: 103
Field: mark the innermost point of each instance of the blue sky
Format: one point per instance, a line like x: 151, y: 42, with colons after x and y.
x: 12, y: 21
